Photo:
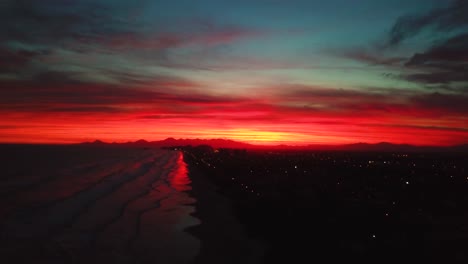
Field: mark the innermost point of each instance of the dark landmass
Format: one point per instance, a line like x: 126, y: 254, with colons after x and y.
x: 94, y: 204
x: 105, y: 203
x: 223, y: 238
x: 255, y: 205
x: 226, y: 143
x: 370, y: 207
x: 216, y: 143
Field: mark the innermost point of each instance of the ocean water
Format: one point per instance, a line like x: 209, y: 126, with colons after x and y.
x: 69, y: 204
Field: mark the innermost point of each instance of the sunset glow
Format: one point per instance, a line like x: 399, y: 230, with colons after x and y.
x: 323, y: 73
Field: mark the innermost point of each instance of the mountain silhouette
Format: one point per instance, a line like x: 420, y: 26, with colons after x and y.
x: 228, y: 143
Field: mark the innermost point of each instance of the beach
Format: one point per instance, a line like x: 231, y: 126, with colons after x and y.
x: 73, y: 204
x: 223, y: 238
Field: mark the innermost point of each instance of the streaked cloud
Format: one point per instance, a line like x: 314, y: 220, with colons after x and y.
x: 120, y: 70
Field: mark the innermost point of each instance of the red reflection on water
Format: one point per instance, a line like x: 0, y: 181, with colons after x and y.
x: 179, y: 179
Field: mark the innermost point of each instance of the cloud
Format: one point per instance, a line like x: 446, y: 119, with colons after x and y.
x: 58, y: 98
x: 61, y: 87
x: 69, y: 23
x: 442, y: 19
x: 82, y: 35
x: 373, y: 57
x: 437, y: 128
x: 157, y: 41
x: 11, y: 60
x: 213, y: 59
x: 443, y: 63
x: 51, y: 22
x: 454, y: 49
x: 331, y: 99
x: 380, y: 103
x: 439, y: 77
x: 166, y: 97
x: 448, y: 103
x: 61, y: 92
x: 442, y: 66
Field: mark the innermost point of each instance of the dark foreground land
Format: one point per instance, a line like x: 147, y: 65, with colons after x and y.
x: 346, y: 206
x: 113, y: 204
x: 135, y: 204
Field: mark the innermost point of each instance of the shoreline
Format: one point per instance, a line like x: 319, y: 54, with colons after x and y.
x: 222, y: 237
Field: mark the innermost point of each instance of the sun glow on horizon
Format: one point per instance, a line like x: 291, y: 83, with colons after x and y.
x: 113, y: 76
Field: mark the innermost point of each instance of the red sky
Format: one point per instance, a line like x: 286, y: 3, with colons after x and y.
x: 325, y: 73
x: 119, y: 114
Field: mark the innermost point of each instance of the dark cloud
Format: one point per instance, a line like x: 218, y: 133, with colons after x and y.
x: 38, y: 28
x: 440, y: 128
x: 442, y: 64
x: 438, y: 67
x: 373, y: 57
x: 80, y: 28
x: 332, y: 97
x: 454, y: 49
x: 12, y: 60
x: 83, y: 109
x: 72, y: 24
x: 339, y: 102
x: 51, y: 22
x: 439, y: 77
x: 372, y: 102
x: 454, y: 103
x: 175, y: 116
x: 61, y: 92
x: 444, y: 19
x: 60, y: 87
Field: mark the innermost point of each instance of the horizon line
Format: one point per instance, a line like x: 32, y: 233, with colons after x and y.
x: 228, y: 139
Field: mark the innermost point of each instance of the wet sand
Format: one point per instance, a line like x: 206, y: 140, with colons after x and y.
x: 126, y: 208
x: 114, y: 205
x: 223, y: 238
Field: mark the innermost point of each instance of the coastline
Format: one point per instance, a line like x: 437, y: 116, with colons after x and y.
x: 223, y: 238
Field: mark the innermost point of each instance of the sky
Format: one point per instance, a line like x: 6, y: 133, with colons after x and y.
x: 262, y: 72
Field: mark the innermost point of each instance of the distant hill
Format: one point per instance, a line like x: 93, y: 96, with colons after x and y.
x: 382, y: 146
x: 215, y: 143
x: 170, y: 142
x: 96, y: 142
x: 227, y: 143
x: 389, y: 147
